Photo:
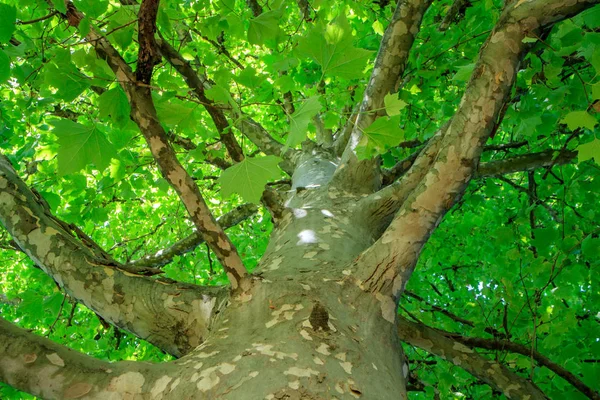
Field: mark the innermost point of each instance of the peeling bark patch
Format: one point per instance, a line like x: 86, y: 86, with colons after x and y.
x: 267, y: 350
x: 347, y: 367
x: 206, y: 355
x: 77, y: 390
x: 29, y: 358
x: 461, y: 347
x: 305, y: 334
x: 286, y: 312
x: 354, y: 390
x: 55, y: 359
x: 175, y: 384
x: 275, y: 264
x: 388, y: 307
x: 300, y: 372
x: 160, y: 385
x: 323, y: 349
x: 127, y: 383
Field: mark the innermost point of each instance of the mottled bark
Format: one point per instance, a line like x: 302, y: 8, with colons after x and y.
x: 389, y: 67
x: 144, y: 115
x: 491, y: 372
x: 173, y: 316
x: 386, y: 266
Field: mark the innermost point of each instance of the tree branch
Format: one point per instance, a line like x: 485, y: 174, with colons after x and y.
x: 148, y: 55
x: 255, y: 7
x: 251, y: 129
x: 363, y: 176
x: 506, y: 345
x: 143, y: 113
x: 171, y: 315
x: 164, y: 257
x: 494, y: 374
x: 46, y: 369
x: 525, y: 162
x: 389, y: 67
x: 380, y: 207
x: 456, y: 9
x: 198, y: 86
x: 387, y: 265
x: 304, y: 6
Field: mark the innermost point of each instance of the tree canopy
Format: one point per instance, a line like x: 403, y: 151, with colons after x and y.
x: 242, y: 88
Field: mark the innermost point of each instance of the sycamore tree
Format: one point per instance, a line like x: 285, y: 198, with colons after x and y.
x: 330, y: 139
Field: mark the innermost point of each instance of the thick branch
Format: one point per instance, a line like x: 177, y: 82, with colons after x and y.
x: 380, y: 207
x: 147, y: 54
x: 198, y: 86
x: 46, y: 369
x: 525, y: 162
x: 189, y: 243
x: 494, y: 374
x: 509, y: 165
x: 143, y: 113
x: 171, y: 315
x: 506, y: 345
x: 388, y: 264
x: 249, y: 128
x: 389, y: 67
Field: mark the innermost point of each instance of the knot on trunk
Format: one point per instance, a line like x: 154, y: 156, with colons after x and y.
x: 319, y: 317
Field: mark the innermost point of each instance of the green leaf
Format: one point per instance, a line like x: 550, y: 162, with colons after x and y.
x: 393, y: 104
x: 378, y: 137
x: 60, y: 6
x: 227, y: 5
x: 596, y: 91
x: 378, y: 28
x: 464, y: 73
x: 220, y: 95
x: 331, y: 47
x: 595, y: 59
x: 588, y: 151
x: 113, y: 104
x: 579, y: 119
x: 8, y: 17
x: 249, y: 177
x: 63, y: 75
x: 84, y: 26
x: 249, y: 78
x: 4, y: 67
x: 176, y: 114
x: 285, y: 83
x: 299, y: 120
x: 92, y: 9
x: 591, y: 17
x: 590, y: 247
x: 264, y: 28
x: 81, y: 145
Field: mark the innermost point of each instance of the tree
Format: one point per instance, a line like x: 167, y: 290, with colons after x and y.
x: 126, y: 127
